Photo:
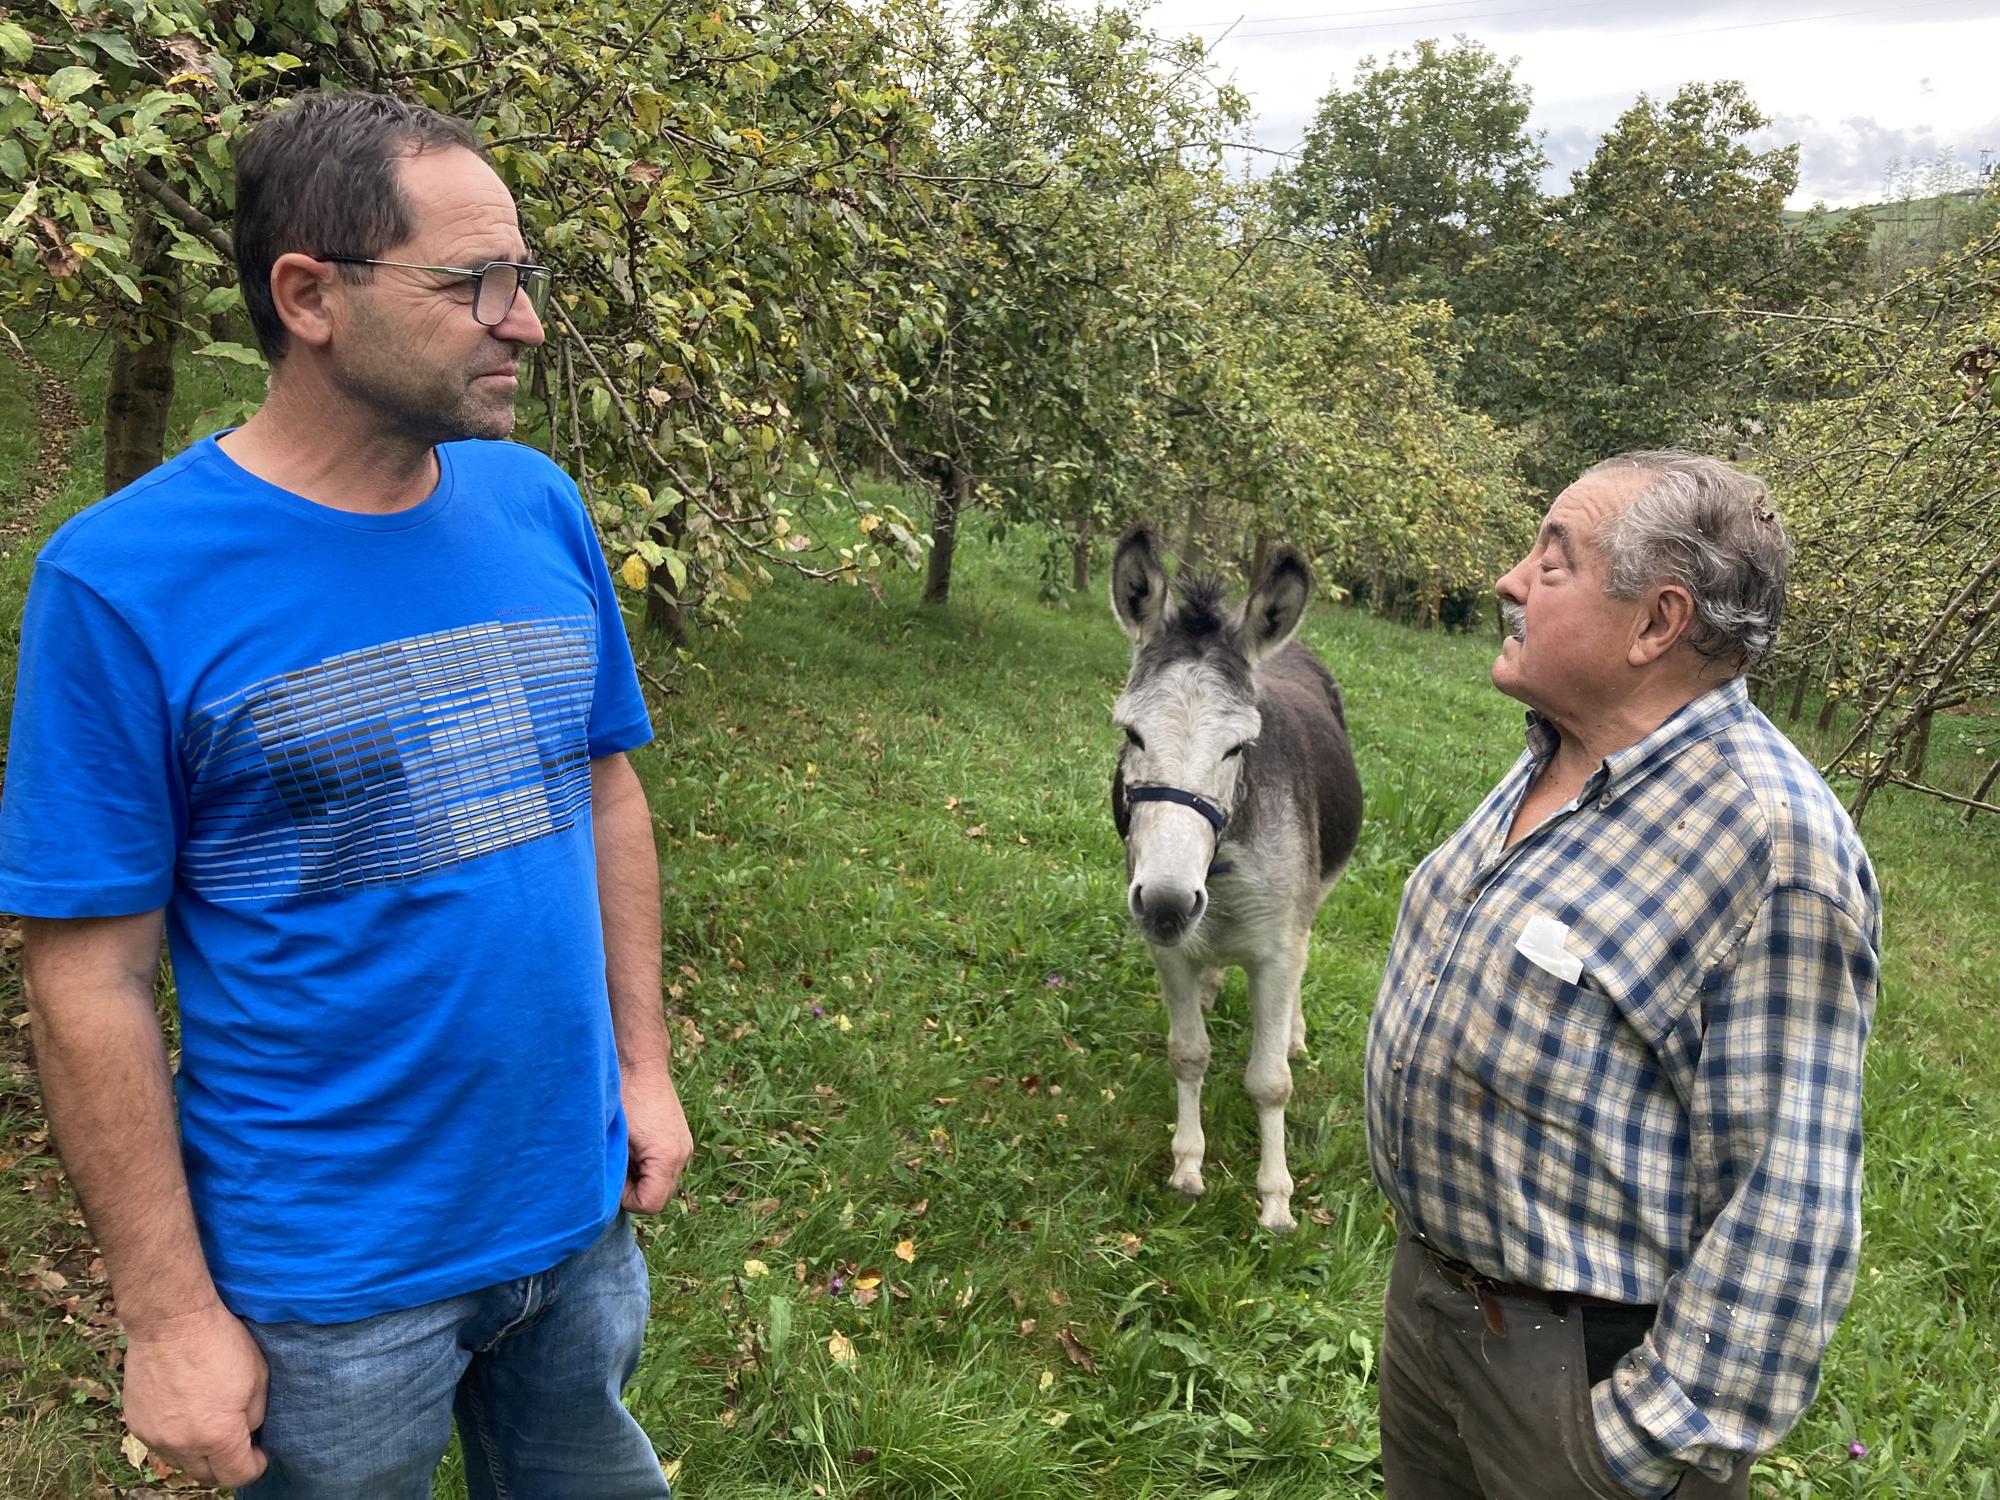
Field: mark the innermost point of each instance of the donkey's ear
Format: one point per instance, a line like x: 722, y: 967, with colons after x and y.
x: 1276, y: 606
x: 1139, y: 587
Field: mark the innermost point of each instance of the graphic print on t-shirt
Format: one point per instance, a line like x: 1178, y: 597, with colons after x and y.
x: 388, y: 763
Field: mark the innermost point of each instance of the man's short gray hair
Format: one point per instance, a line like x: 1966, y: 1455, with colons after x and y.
x: 1711, y: 528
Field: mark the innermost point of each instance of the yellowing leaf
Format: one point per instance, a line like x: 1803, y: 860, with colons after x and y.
x: 869, y: 523
x: 841, y: 1349
x: 634, y: 573
x: 135, y: 1452
x: 906, y: 1251
x: 754, y: 1268
x: 1048, y: 1379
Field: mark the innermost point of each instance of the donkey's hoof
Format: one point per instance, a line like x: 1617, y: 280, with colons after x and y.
x: 1277, y: 1216
x: 1187, y: 1182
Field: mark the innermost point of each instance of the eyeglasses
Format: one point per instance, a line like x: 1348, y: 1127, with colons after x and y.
x: 499, y: 282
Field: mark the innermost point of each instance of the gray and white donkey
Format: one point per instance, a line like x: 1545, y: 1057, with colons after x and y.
x: 1237, y: 800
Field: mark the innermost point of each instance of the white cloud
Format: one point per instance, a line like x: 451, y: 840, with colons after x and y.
x: 1907, y: 83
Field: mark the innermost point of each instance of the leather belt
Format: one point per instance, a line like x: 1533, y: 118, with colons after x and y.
x: 1489, y: 1290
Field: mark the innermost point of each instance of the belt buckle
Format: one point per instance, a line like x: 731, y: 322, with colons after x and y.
x: 1479, y: 1285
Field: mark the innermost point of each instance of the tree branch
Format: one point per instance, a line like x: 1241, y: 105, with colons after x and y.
x: 191, y: 218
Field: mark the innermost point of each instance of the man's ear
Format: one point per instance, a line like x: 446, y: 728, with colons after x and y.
x: 1668, y: 618
x: 302, y: 291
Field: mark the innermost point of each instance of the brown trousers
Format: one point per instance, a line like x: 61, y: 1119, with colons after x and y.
x: 1468, y: 1414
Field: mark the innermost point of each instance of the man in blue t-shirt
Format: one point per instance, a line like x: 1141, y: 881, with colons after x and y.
x: 340, y: 701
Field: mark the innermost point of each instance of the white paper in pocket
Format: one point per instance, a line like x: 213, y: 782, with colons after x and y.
x: 1543, y: 943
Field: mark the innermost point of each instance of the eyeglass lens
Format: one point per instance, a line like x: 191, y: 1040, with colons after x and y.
x: 498, y: 286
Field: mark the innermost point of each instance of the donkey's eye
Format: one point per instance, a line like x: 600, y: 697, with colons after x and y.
x: 1232, y: 752
x: 1132, y: 739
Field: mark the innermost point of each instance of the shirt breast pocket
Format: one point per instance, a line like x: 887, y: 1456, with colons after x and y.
x: 1544, y: 1046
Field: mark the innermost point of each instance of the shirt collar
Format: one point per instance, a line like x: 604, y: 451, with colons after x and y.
x: 1689, y: 724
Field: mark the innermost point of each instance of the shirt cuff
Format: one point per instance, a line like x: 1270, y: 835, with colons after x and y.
x: 1643, y: 1419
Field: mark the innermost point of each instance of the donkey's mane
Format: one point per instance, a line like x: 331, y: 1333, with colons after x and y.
x: 1204, y: 609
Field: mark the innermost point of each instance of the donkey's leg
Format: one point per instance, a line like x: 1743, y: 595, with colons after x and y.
x: 1211, y: 986
x: 1274, y: 1005
x: 1187, y: 1049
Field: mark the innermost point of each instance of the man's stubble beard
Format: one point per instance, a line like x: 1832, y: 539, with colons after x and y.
x: 425, y: 406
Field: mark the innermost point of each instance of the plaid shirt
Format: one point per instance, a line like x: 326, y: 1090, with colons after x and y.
x: 1683, y: 1125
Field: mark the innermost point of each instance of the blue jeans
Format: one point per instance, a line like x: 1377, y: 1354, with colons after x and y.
x: 532, y: 1369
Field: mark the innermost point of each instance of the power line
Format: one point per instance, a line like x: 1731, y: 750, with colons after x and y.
x: 1829, y: 16
x: 1323, y: 15
x: 1581, y: 5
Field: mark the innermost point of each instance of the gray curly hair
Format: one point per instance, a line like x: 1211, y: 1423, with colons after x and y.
x: 1711, y: 528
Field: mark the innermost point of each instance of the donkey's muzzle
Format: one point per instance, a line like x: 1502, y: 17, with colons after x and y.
x: 1164, y: 914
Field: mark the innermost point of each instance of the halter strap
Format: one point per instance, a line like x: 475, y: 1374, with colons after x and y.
x: 1155, y: 792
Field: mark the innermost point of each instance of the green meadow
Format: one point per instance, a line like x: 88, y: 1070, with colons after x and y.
x: 925, y: 1247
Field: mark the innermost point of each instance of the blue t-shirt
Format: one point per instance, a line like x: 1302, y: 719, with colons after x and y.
x: 350, y: 755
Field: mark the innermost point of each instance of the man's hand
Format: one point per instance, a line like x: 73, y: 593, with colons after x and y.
x: 658, y: 1140
x: 194, y: 1393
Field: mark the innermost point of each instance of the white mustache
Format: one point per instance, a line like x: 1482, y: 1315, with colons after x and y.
x: 1516, y: 618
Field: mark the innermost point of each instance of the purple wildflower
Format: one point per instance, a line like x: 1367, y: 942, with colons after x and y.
x: 818, y: 1011
x: 1054, y: 982
x: 1857, y: 1450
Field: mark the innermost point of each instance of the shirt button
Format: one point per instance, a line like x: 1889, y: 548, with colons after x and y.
x: 1395, y: 1160
x: 1395, y: 1067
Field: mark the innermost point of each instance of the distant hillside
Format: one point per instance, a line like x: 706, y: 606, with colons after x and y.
x: 1915, y: 215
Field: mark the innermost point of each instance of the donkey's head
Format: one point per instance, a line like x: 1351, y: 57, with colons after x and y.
x: 1189, y: 711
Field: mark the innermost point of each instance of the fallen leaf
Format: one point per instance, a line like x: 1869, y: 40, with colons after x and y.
x: 976, y: 831
x: 755, y: 1268
x: 135, y: 1452
x: 1048, y: 1379
x: 1073, y: 1347
x: 1057, y: 1419
x: 841, y: 1349
x: 862, y: 1456
x: 868, y: 1279
x: 906, y: 1251
x: 1129, y: 1243
x: 1027, y: 1326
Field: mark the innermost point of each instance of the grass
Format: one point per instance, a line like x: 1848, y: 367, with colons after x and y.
x: 912, y: 1017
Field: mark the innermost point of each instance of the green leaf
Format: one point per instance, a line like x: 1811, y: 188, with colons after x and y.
x: 236, y: 352
x: 126, y: 285
x: 194, y: 252
x: 13, y: 161
x: 114, y: 47
x: 67, y: 83
x: 15, y: 43
x: 674, y: 565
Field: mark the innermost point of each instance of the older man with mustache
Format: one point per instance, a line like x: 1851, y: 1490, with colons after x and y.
x: 1614, y: 1070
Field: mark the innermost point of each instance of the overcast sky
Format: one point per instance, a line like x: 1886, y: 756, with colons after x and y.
x: 1856, y: 84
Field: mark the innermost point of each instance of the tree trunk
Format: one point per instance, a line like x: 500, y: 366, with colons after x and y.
x: 1079, y: 557
x: 1192, y: 555
x: 954, y: 492
x: 1798, y: 695
x: 1260, y: 555
x: 1826, y: 712
x: 1919, y: 746
x: 1985, y: 786
x: 664, y: 610
x: 140, y: 393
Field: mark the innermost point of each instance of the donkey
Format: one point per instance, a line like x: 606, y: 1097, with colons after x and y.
x: 1237, y: 799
